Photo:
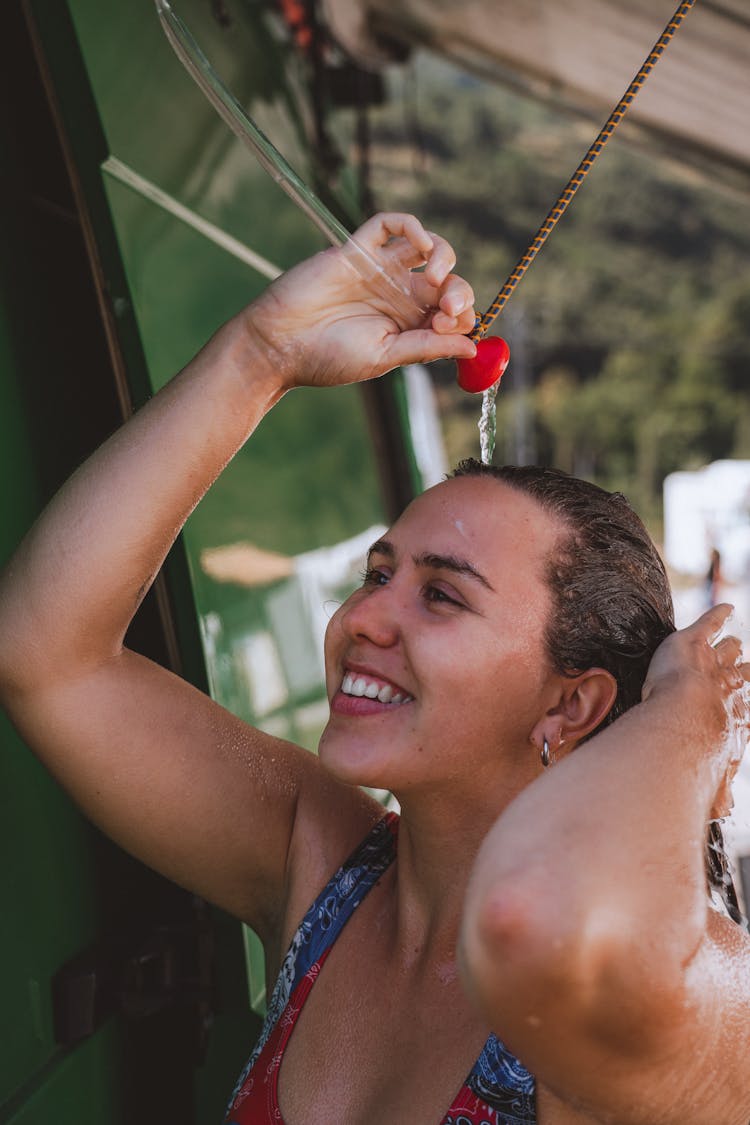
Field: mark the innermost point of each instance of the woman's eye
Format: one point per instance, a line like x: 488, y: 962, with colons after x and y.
x: 436, y: 595
x: 374, y: 577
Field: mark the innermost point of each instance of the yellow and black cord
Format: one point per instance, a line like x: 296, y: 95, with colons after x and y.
x: 561, y: 204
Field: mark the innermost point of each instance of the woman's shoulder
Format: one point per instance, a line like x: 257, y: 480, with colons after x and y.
x: 335, y: 840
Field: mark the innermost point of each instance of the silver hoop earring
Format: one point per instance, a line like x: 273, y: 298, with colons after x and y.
x: 545, y: 754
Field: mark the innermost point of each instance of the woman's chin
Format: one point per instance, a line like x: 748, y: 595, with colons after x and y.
x: 352, y: 763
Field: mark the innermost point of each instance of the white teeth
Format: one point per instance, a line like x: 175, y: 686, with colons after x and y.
x: 359, y: 686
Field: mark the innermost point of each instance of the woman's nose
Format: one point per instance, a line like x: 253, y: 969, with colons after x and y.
x: 372, y: 616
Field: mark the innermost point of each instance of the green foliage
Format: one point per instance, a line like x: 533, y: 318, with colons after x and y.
x: 633, y: 319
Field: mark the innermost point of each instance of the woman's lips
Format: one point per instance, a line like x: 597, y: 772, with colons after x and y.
x: 343, y: 704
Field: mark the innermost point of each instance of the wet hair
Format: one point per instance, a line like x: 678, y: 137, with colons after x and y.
x: 611, y: 600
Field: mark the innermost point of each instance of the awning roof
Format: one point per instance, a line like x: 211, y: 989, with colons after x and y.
x: 582, y: 54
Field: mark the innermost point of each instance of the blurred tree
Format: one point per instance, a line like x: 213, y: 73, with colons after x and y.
x: 637, y: 308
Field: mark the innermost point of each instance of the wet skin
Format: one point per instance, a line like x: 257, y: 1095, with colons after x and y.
x: 451, y: 614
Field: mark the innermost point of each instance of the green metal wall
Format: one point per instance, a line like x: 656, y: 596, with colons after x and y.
x: 104, y: 294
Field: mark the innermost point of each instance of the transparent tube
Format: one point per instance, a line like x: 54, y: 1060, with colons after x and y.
x: 397, y: 290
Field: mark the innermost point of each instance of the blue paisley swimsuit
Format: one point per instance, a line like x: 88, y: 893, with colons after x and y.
x: 497, y: 1091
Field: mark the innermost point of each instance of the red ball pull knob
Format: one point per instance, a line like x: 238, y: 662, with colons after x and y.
x: 486, y: 367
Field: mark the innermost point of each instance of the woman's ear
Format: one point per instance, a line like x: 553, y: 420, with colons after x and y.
x: 584, y: 702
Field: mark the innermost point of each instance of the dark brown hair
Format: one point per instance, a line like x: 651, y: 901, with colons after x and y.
x: 612, y: 605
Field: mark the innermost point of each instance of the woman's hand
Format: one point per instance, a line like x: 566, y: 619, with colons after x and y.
x: 324, y: 323
x: 710, y: 682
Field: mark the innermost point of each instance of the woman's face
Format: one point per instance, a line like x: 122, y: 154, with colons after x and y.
x: 445, y: 640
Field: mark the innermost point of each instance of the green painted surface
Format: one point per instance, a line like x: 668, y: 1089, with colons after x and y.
x: 156, y: 120
x: 57, y: 1095
x: 300, y: 491
x: 53, y: 915
x: 49, y: 911
x: 307, y: 479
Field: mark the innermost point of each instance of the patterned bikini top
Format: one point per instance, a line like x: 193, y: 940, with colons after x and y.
x: 497, y: 1091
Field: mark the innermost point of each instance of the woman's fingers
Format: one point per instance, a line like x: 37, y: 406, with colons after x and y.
x: 453, y: 302
x: 714, y: 620
x: 735, y: 671
x: 380, y: 229
x: 462, y: 324
x: 441, y: 262
x: 401, y: 239
x: 423, y: 345
x: 701, y: 647
x: 456, y: 298
x: 709, y: 630
x: 728, y: 649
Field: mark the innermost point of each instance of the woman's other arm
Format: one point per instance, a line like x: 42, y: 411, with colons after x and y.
x: 165, y: 771
x: 588, y: 939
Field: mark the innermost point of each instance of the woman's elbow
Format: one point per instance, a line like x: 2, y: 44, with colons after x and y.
x: 501, y: 946
x: 526, y: 964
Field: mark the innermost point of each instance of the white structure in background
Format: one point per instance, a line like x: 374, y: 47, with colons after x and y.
x: 424, y: 425
x: 322, y: 579
x: 705, y: 510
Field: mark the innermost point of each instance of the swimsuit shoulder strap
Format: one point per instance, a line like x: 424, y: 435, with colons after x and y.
x: 323, y: 923
x: 343, y: 893
x: 332, y: 909
x: 502, y: 1082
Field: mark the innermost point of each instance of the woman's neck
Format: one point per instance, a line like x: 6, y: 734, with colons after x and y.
x: 438, y: 843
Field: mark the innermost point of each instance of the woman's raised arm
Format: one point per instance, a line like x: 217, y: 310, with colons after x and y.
x: 588, y: 938
x: 168, y: 773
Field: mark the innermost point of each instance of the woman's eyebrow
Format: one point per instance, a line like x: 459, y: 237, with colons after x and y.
x: 453, y: 563
x: 433, y: 561
x: 382, y: 547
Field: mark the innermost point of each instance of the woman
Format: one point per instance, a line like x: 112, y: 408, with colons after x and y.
x: 586, y: 942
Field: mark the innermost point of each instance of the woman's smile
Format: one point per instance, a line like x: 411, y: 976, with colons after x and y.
x: 364, y: 691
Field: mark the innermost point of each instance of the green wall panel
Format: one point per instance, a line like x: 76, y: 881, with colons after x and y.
x: 85, y: 1087
x: 308, y: 478
x: 303, y: 491
x: 157, y: 122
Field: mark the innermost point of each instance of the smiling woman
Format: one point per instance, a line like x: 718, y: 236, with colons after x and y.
x: 437, y: 618
x: 504, y: 621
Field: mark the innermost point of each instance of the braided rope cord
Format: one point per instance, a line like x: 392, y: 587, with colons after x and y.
x: 575, y: 181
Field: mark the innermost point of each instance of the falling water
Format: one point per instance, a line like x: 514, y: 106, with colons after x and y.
x: 488, y: 424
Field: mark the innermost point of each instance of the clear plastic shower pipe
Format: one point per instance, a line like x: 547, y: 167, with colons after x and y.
x: 398, y: 291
